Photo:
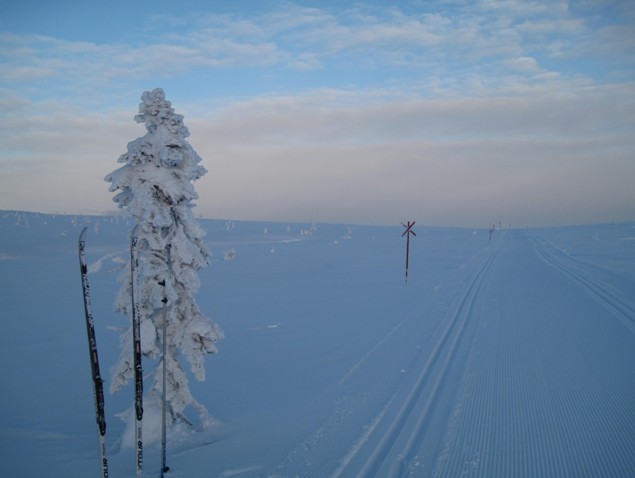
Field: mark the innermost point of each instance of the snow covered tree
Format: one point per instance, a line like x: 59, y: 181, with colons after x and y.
x: 155, y: 186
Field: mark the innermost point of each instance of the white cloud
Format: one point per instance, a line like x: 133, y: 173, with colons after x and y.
x: 524, y: 64
x: 447, y: 42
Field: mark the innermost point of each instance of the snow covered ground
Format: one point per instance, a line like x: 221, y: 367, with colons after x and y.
x: 509, y: 358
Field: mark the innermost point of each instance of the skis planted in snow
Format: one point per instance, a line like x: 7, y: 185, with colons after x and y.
x: 98, y: 383
x: 138, y: 371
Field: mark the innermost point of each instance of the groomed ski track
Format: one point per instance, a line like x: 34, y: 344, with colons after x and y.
x: 515, y: 383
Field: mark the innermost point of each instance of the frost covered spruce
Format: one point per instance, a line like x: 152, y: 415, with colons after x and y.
x: 155, y: 186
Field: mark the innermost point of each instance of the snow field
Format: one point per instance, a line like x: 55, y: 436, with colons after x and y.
x: 504, y: 358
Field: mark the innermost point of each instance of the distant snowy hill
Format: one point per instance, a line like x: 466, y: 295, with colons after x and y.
x: 504, y: 358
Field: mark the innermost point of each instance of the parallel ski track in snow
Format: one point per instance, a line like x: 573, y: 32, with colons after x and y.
x: 537, y: 401
x: 435, y: 369
x: 387, y: 441
x: 608, y: 297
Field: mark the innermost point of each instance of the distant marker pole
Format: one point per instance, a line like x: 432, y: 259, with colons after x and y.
x: 407, y: 233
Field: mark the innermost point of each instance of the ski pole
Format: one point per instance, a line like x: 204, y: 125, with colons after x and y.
x: 164, y: 467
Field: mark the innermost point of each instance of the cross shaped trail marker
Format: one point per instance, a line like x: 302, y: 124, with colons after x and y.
x: 407, y: 233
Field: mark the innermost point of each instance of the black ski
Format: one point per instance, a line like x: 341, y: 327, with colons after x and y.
x: 138, y: 371
x: 98, y: 383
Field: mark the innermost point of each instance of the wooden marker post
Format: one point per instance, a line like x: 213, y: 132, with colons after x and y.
x: 407, y: 233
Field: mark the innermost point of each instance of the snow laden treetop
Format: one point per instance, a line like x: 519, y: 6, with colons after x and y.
x: 155, y: 187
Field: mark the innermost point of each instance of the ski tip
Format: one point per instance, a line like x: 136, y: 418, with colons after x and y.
x: 82, y: 235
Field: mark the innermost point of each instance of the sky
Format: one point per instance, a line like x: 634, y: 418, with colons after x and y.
x: 450, y: 113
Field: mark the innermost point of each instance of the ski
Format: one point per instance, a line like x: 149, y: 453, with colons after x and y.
x: 98, y: 383
x: 138, y: 371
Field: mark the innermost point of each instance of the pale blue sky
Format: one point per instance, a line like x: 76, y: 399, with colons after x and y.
x: 444, y: 112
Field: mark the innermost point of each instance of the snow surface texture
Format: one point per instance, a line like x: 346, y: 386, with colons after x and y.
x: 509, y: 358
x: 155, y: 187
